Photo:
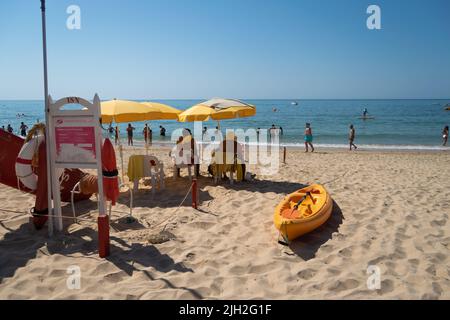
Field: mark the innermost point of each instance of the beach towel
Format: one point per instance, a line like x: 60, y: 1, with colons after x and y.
x: 89, y: 184
x: 136, y: 167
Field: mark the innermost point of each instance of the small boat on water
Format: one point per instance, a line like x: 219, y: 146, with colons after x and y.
x: 294, y: 103
x: 302, y: 212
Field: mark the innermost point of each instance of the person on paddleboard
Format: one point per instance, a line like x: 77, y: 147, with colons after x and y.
x: 365, y: 113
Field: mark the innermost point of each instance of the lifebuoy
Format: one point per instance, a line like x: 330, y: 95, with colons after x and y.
x: 24, y: 171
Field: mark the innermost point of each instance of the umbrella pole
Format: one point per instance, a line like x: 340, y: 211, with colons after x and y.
x: 121, y: 158
x: 47, y: 128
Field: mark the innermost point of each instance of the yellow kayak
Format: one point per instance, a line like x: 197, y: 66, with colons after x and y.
x: 303, y: 211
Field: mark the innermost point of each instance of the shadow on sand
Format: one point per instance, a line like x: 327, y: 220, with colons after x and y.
x: 17, y: 248
x: 306, y: 246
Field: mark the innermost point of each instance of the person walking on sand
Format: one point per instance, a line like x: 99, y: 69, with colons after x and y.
x: 130, y: 134
x: 23, y: 129
x: 351, y: 137
x: 308, y: 137
x: 445, y: 136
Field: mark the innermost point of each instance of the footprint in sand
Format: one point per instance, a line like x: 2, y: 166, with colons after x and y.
x: 306, y: 274
x: 439, y: 223
x: 190, y: 256
x: 115, y: 277
x: 334, y: 271
x: 340, y: 286
x: 386, y: 286
x: 346, y: 252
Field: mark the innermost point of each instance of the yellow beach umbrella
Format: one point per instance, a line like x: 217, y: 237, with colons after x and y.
x: 217, y: 109
x: 162, y: 111
x: 123, y: 111
x: 119, y: 111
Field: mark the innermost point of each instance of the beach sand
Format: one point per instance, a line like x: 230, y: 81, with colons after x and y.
x: 391, y: 210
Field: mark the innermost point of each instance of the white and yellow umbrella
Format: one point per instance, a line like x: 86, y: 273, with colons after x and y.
x: 217, y: 109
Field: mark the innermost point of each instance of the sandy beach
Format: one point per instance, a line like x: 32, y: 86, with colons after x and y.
x: 391, y: 210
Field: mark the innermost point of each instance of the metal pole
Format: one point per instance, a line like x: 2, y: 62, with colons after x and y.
x: 47, y: 131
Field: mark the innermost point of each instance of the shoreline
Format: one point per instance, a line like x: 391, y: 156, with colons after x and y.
x: 321, y: 147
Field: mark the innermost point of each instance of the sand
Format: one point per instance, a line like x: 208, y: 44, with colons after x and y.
x: 391, y: 210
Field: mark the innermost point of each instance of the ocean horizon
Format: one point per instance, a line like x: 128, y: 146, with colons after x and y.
x: 396, y: 124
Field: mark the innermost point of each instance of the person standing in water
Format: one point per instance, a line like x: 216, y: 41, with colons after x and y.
x: 23, y: 129
x: 146, y: 132
x: 365, y: 113
x: 9, y: 128
x: 308, y: 137
x: 351, y: 137
x: 110, y: 129
x: 445, y: 136
x: 130, y: 134
x: 162, y: 131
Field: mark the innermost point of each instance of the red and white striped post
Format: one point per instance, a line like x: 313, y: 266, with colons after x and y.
x: 103, y: 235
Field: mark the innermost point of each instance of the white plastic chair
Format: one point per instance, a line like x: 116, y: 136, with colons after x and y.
x: 178, y: 166
x: 155, y: 169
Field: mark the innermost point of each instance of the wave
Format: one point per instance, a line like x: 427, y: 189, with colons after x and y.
x: 140, y: 143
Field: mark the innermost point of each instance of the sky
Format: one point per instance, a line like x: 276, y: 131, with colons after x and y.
x: 247, y: 49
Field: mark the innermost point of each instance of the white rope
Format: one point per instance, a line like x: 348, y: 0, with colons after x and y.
x: 91, y: 220
x: 46, y: 215
x: 175, y: 211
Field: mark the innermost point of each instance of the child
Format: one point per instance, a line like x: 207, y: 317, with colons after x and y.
x: 308, y: 137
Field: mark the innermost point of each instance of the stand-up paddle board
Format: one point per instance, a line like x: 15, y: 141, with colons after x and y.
x: 366, y: 118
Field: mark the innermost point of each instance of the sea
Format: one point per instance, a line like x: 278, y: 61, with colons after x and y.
x: 393, y: 124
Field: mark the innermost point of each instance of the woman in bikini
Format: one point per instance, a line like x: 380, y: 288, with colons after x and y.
x: 308, y: 138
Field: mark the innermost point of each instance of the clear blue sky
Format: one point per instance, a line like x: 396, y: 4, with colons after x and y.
x: 143, y: 49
